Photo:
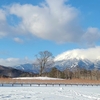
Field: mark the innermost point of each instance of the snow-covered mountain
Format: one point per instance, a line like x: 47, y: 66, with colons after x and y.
x: 27, y: 68
x: 97, y: 64
x: 73, y: 58
x: 69, y: 59
x: 72, y: 63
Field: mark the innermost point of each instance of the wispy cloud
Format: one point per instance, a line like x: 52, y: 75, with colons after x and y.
x: 2, y: 15
x: 91, y: 36
x: 4, y: 53
x: 14, y: 61
x: 54, y: 20
x: 18, y: 40
x: 2, y: 23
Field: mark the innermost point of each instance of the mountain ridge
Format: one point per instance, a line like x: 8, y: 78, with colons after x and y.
x: 12, y: 72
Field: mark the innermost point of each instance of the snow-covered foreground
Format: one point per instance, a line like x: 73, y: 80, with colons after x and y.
x: 39, y: 78
x: 50, y: 93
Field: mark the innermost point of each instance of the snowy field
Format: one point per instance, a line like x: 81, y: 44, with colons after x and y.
x: 50, y: 93
x: 39, y: 78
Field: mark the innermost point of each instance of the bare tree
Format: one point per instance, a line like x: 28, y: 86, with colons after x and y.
x: 44, y: 60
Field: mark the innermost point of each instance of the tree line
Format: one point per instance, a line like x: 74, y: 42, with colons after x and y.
x: 75, y: 74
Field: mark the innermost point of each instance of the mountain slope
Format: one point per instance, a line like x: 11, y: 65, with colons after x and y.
x: 74, y: 58
x: 11, y: 72
x: 27, y: 68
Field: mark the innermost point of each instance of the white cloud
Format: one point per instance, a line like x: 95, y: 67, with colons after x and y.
x: 53, y: 20
x: 2, y: 15
x: 18, y: 40
x: 14, y: 61
x: 92, y: 35
x: 89, y: 53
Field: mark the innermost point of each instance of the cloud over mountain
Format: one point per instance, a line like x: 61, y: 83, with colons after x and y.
x: 90, y: 54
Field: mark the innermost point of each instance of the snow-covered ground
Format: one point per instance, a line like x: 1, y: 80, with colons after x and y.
x: 39, y: 78
x: 50, y: 93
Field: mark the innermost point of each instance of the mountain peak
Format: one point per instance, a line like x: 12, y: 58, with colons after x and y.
x: 78, y: 57
x: 73, y: 54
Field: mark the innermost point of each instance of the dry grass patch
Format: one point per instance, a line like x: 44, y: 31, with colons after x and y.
x: 72, y: 81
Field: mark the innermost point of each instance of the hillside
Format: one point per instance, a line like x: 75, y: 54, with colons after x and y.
x: 11, y: 72
x: 74, y: 58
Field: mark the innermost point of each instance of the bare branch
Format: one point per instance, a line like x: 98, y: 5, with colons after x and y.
x: 44, y: 60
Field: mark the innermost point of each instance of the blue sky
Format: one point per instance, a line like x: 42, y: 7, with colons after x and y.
x: 30, y: 26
